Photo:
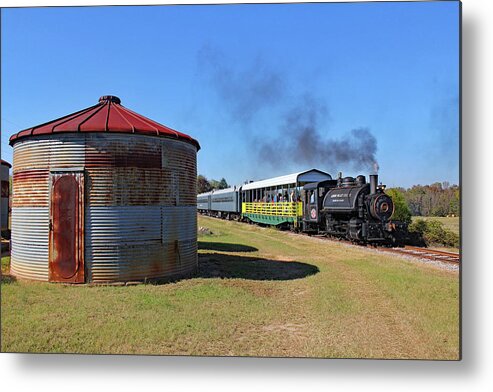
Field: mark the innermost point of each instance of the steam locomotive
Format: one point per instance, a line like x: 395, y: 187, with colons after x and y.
x: 351, y: 208
x: 312, y: 202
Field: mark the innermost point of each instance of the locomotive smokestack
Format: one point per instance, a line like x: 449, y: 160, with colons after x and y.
x: 339, y: 179
x: 375, y: 168
x: 373, y: 183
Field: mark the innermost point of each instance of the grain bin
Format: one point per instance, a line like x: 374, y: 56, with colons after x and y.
x: 103, y: 195
x: 4, y: 178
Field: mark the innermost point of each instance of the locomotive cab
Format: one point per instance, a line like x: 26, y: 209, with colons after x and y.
x: 312, y: 197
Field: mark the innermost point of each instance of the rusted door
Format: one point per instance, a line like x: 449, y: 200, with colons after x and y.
x: 67, y: 227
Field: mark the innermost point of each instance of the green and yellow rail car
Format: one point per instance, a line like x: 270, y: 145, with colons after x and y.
x: 277, y: 201
x: 273, y: 213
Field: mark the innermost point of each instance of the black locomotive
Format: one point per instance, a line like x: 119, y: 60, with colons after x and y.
x: 350, y: 208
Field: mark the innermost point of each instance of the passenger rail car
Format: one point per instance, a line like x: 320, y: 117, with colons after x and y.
x: 277, y: 201
x: 204, y: 202
x: 223, y: 203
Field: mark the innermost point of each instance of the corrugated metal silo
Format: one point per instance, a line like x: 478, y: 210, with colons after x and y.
x: 103, y: 195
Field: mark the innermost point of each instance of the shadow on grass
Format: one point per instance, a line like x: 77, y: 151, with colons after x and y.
x: 216, y: 265
x: 226, y: 247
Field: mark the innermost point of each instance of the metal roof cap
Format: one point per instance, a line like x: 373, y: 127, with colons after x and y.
x: 108, y: 115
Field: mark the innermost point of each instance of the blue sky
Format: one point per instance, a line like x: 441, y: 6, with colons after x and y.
x: 235, y: 77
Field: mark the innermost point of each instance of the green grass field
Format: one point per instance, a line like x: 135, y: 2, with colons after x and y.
x: 259, y: 292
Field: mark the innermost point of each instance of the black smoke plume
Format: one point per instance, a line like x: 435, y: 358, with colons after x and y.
x: 302, y: 138
x: 245, y: 92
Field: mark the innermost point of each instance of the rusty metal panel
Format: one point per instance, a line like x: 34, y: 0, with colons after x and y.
x: 127, y: 186
x: 32, y: 154
x: 30, y: 188
x: 134, y: 242
x: 148, y: 180
x: 66, y: 251
x: 33, y: 159
x: 30, y: 234
x: 49, y: 151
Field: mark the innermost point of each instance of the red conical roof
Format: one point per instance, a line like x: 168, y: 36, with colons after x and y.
x: 108, y: 115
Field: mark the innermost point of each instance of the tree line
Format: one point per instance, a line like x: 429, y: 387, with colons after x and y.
x: 437, y: 199
x: 205, y: 185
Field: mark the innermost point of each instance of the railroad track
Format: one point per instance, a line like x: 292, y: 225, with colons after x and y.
x: 412, y: 251
x: 430, y: 254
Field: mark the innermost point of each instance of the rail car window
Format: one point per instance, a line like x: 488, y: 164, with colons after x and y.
x: 226, y: 199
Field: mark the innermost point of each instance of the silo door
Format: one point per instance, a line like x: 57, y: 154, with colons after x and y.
x: 67, y: 227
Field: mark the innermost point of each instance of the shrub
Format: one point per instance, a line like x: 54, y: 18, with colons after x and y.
x: 451, y: 239
x: 401, y: 210
x: 434, y: 233
x: 418, y: 226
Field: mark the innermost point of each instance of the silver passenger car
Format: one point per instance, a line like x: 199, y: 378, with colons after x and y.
x: 225, y: 203
x: 204, y: 202
x: 225, y: 200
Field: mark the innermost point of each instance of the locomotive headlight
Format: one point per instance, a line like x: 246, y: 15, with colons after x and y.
x: 381, y: 207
